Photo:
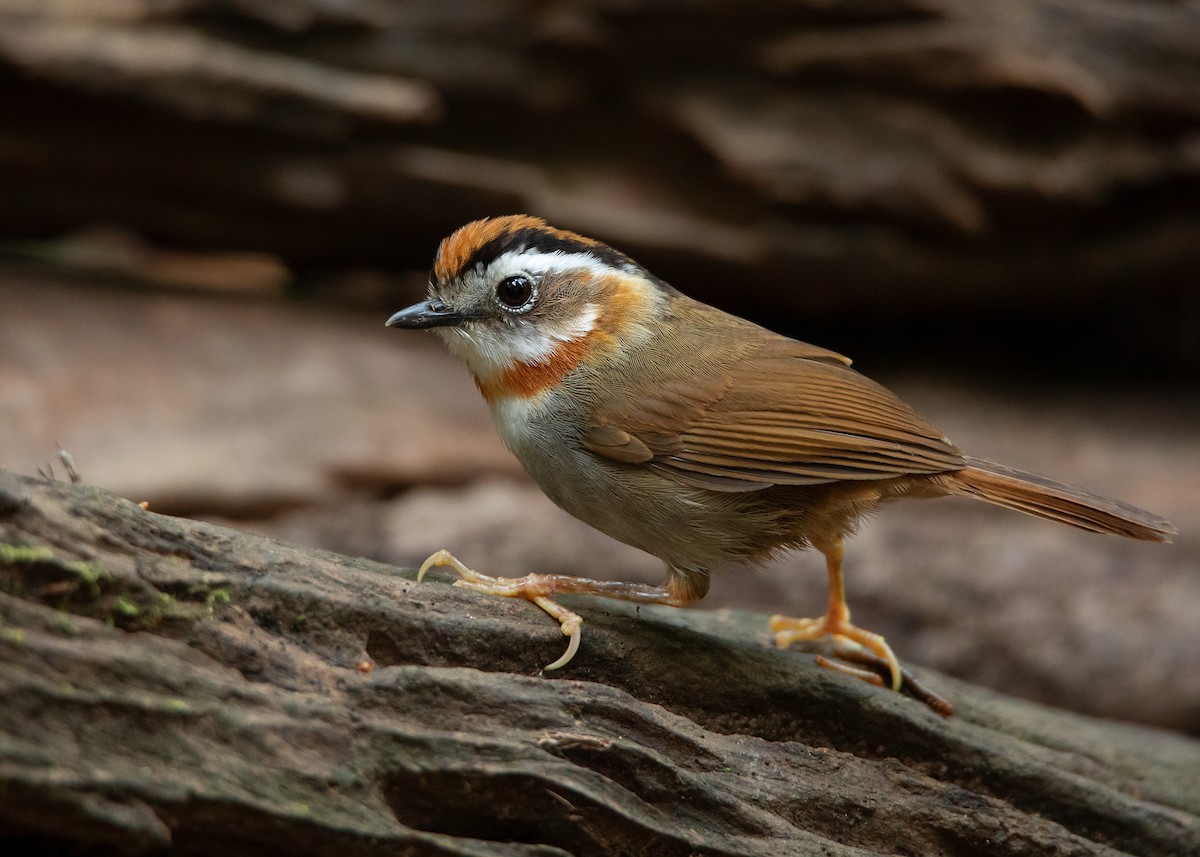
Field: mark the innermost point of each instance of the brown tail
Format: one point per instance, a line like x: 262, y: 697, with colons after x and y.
x: 1037, y: 495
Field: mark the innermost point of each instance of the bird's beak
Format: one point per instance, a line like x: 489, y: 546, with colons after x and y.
x: 432, y: 313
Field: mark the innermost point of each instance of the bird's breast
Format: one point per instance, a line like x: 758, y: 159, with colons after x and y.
x: 687, y: 527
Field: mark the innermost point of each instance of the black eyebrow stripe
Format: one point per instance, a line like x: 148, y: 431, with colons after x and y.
x: 540, y: 241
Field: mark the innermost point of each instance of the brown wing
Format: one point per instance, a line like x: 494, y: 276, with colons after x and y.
x: 784, y: 414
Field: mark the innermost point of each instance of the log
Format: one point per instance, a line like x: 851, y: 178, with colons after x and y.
x: 171, y: 686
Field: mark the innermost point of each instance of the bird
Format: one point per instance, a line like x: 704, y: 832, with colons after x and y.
x: 695, y: 435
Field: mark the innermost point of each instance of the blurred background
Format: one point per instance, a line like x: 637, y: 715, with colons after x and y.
x: 208, y: 208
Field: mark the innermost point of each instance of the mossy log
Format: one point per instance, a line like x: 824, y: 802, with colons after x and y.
x: 170, y: 686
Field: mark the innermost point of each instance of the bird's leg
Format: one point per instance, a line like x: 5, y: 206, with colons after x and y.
x: 836, y: 623
x: 681, y: 589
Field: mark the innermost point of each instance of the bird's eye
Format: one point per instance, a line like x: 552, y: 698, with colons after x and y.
x: 515, y: 292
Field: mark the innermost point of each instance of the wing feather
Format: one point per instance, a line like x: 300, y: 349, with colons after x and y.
x: 785, y: 414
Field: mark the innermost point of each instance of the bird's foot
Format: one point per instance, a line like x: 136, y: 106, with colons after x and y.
x: 836, y: 624
x: 532, y: 587
x: 859, y: 653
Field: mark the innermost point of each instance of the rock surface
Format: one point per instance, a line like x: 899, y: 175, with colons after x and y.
x: 171, y: 685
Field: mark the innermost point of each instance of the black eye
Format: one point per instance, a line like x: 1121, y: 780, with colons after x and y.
x: 515, y: 292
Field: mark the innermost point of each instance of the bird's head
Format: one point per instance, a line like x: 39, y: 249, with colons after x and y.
x: 523, y: 303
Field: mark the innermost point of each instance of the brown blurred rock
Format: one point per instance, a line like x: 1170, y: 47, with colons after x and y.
x: 230, y: 406
x: 117, y: 253
x: 824, y: 155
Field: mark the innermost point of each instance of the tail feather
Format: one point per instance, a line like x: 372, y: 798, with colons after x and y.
x: 1046, y: 498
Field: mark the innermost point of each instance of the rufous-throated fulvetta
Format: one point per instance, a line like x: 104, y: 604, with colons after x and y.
x: 693, y: 434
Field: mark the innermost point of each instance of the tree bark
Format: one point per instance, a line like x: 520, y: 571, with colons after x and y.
x: 173, y: 685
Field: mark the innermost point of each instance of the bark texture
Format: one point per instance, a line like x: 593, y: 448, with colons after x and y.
x: 833, y: 154
x: 172, y: 685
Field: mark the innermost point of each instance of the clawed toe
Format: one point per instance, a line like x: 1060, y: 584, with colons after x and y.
x: 532, y: 587
x: 441, y: 559
x: 836, y: 624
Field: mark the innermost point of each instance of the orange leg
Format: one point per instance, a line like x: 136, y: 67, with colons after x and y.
x: 836, y: 623
x: 679, y: 592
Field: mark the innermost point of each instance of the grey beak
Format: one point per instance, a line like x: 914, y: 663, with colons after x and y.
x: 433, y: 313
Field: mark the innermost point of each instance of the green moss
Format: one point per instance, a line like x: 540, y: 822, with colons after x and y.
x: 142, y: 610
x: 89, y: 573
x: 60, y: 621
x: 212, y: 595
x: 16, y: 636
x: 126, y: 608
x: 18, y: 555
x: 37, y: 567
x: 216, y: 598
x: 89, y: 588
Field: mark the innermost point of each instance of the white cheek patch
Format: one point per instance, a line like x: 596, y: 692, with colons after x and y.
x: 578, y: 327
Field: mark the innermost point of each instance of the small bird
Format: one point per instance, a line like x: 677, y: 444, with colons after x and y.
x: 694, y: 435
